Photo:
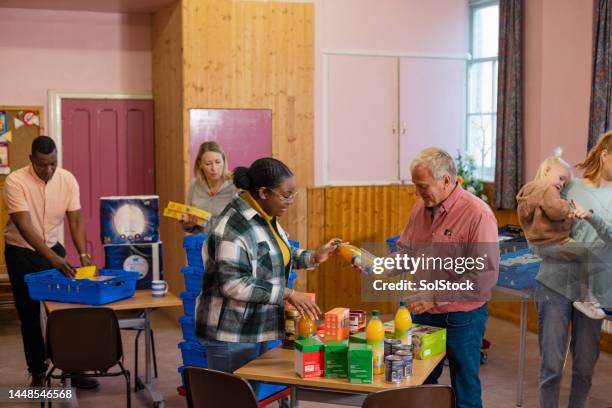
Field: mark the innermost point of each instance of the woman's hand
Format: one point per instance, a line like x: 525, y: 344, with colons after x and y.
x: 303, y: 303
x: 580, y: 212
x: 323, y: 253
x: 188, y: 222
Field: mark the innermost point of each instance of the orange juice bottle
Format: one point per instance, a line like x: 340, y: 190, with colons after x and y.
x: 306, y: 327
x: 375, y: 336
x: 357, y: 256
x: 403, y: 322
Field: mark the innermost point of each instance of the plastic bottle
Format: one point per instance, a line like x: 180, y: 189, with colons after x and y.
x: 357, y: 256
x: 306, y: 327
x: 403, y: 323
x: 375, y: 336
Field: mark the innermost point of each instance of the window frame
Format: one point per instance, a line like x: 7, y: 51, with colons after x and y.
x: 488, y: 174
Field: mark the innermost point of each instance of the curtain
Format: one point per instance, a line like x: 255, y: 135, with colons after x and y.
x: 509, y: 140
x: 601, y: 87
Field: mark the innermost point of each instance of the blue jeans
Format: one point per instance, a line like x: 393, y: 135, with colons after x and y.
x: 464, y: 334
x: 555, y: 312
x: 228, y: 357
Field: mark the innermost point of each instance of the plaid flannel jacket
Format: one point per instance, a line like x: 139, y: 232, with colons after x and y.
x: 244, y: 278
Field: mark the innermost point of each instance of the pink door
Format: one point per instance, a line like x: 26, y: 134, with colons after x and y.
x: 244, y: 134
x: 108, y: 145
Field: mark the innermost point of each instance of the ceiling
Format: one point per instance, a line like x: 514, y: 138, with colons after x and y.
x: 105, y: 6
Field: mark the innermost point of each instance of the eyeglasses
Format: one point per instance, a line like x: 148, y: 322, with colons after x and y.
x: 285, y: 197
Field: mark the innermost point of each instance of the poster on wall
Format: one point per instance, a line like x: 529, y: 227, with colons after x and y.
x: 4, y: 158
x: 3, y: 122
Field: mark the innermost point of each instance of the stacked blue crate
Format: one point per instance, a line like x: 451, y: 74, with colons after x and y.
x: 194, y: 354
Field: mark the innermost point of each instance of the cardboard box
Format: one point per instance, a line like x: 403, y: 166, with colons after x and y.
x: 337, y: 324
x: 309, y: 358
x: 129, y: 220
x: 188, y: 210
x: 360, y: 364
x: 336, y: 359
x: 181, y: 216
x: 146, y: 259
x: 427, y: 341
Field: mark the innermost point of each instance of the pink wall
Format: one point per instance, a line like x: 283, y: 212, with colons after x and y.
x: 433, y: 27
x: 557, y: 70
x: 45, y: 50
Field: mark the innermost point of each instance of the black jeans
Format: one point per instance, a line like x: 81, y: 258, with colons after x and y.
x: 19, y: 263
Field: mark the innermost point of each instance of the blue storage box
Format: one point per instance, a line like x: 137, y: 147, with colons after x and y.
x: 129, y: 220
x: 193, y: 248
x: 193, y: 278
x: 392, y: 243
x: 194, y: 354
x: 267, y: 390
x: 180, y: 371
x: 518, y: 269
x: 189, y: 299
x: 54, y: 285
x: 145, y: 259
x: 188, y: 326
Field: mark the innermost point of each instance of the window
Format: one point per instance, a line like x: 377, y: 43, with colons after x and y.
x: 482, y: 86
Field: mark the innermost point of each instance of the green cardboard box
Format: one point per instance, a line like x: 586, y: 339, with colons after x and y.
x: 360, y: 363
x: 358, y: 338
x: 427, y: 341
x: 336, y: 359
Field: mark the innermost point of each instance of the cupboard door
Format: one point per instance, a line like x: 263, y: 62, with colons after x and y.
x: 362, y: 140
x: 432, y: 107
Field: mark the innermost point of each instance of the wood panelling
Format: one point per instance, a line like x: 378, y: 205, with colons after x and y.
x: 170, y: 140
x: 356, y: 214
x: 232, y: 54
x: 257, y: 55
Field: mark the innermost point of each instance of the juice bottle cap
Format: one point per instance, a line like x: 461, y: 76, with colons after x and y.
x: 375, y: 313
x: 403, y: 303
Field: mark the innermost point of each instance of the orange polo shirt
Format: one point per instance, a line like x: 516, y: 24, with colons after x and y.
x: 47, y: 203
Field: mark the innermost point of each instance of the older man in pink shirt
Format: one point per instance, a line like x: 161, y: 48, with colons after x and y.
x: 454, y: 220
x: 37, y: 199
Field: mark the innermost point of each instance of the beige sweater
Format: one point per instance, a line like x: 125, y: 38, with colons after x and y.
x: 543, y: 213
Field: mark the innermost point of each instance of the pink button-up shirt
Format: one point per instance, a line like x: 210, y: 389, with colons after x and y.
x: 461, y: 218
x: 47, y: 203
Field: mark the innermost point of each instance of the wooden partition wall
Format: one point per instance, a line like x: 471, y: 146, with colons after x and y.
x: 232, y: 54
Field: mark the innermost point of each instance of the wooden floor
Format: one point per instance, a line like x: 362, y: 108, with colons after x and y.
x: 498, y: 375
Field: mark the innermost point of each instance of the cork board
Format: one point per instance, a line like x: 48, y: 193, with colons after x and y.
x: 19, y: 148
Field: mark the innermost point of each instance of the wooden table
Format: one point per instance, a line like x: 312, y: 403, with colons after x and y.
x: 142, y: 300
x: 276, y: 366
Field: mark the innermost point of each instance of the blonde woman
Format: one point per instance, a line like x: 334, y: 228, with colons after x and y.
x: 559, y: 285
x: 212, y: 188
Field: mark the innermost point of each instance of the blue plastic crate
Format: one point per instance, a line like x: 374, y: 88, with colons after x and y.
x: 518, y: 269
x: 189, y: 299
x: 193, y: 248
x: 392, y: 243
x: 193, y: 278
x: 54, y: 285
x: 267, y: 390
x: 194, y: 354
x: 188, y: 326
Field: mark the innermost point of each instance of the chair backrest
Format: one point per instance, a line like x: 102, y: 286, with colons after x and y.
x: 84, y: 339
x: 438, y: 396
x: 208, y: 388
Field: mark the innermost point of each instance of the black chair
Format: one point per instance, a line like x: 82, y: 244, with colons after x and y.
x: 85, y: 342
x: 208, y: 388
x: 435, y: 396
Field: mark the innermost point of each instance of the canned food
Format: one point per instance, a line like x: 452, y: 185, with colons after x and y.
x: 397, y: 347
x: 389, y: 343
x: 394, y: 369
x: 406, y: 357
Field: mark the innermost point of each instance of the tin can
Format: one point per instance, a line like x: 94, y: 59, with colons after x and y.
x: 394, y: 369
x: 406, y: 357
x: 389, y: 343
x: 397, y: 347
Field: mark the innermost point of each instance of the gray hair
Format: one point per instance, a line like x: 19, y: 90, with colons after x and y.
x: 437, y: 161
